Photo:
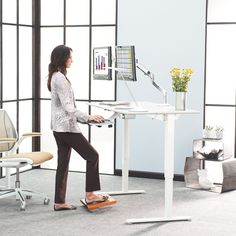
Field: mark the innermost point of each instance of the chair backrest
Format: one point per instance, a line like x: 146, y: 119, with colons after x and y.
x: 7, y: 130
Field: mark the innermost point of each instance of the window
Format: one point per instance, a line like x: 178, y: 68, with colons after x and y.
x: 80, y: 24
x: 220, y: 90
x: 16, y: 67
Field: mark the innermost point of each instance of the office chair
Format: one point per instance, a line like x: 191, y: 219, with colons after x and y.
x: 9, y: 143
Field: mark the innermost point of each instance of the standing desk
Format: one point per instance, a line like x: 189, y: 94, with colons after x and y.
x: 168, y: 115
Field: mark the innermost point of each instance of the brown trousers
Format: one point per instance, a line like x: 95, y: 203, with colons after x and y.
x: 65, y: 141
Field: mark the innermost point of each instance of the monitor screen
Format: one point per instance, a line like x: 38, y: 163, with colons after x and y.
x: 101, y: 62
x: 126, y: 63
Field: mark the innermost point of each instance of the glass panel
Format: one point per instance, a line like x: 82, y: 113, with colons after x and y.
x: 104, y: 12
x: 25, y: 62
x: 9, y: 11
x: 221, y: 50
x: 78, y: 40
x: 56, y: 38
x: 25, y: 12
x: 102, y: 140
x: 10, y: 108
x: 77, y: 163
x: 226, y: 119
x: 102, y: 36
x: 25, y: 124
x: 9, y: 62
x: 48, y: 143
x: 77, y: 12
x: 52, y: 12
x: 221, y: 10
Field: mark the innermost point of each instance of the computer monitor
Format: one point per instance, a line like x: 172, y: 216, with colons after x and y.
x: 125, y: 63
x: 101, y: 61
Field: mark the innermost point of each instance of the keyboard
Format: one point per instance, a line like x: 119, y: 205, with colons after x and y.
x: 97, y: 123
x: 115, y: 103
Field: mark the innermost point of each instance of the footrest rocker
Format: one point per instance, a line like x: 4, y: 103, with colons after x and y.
x: 95, y: 205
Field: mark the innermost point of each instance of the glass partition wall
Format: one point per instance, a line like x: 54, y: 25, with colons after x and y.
x: 16, y: 63
x: 220, y: 79
x: 16, y: 93
x: 30, y: 29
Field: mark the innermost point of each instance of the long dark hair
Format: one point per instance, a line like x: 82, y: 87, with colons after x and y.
x: 59, y: 57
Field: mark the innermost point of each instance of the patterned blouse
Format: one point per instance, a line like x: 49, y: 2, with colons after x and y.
x: 64, y: 115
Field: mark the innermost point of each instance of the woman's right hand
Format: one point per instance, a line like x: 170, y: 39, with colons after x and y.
x: 97, y: 118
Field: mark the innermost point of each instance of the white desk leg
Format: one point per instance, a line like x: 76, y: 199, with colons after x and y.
x: 125, y: 163
x: 125, y: 156
x: 169, y: 163
x: 169, y: 174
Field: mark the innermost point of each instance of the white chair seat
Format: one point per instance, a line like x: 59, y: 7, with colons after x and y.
x: 33, y: 158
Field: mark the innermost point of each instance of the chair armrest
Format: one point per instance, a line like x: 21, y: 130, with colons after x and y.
x: 28, y: 135
x: 32, y: 134
x: 8, y: 139
x: 24, y: 136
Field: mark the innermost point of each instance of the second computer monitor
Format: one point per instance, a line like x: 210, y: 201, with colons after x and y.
x: 126, y: 63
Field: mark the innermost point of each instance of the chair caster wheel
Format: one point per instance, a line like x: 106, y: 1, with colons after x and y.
x: 28, y: 196
x: 22, y: 207
x: 46, y: 201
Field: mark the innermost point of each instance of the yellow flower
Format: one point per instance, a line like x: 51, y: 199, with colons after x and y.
x: 180, y: 79
x: 175, y: 72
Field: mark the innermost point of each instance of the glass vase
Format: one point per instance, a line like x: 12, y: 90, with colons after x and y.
x: 180, y: 101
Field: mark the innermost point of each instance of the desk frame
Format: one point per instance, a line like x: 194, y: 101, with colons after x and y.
x: 168, y: 174
x: 169, y: 117
x: 125, y: 159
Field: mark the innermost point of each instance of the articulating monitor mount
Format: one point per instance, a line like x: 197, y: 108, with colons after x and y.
x: 151, y: 76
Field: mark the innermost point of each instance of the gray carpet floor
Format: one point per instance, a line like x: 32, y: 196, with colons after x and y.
x: 212, y: 213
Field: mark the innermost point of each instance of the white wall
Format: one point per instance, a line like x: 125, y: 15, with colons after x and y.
x: 165, y: 34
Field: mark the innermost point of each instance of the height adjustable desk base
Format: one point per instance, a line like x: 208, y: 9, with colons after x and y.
x: 168, y: 116
x: 113, y: 193
x: 160, y: 219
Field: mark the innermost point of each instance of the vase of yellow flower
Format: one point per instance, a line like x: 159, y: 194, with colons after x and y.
x: 180, y: 100
x: 180, y: 79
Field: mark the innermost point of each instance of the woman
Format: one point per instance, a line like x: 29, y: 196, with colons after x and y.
x: 64, y: 118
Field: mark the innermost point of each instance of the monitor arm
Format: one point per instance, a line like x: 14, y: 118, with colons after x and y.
x: 151, y: 76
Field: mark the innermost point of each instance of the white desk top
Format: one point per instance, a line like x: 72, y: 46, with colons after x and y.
x: 143, y: 108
